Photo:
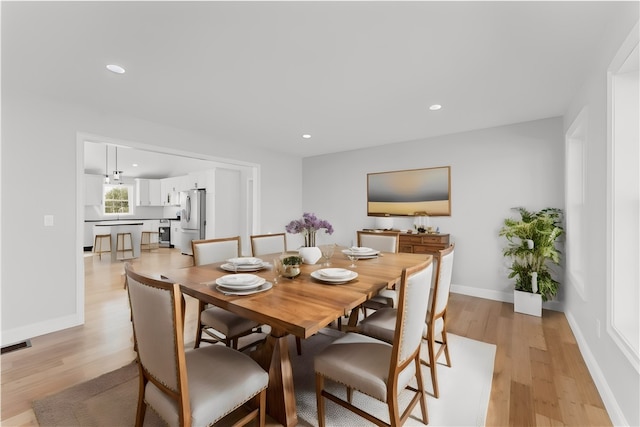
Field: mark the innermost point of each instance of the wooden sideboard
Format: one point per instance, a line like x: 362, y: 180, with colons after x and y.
x: 423, y: 243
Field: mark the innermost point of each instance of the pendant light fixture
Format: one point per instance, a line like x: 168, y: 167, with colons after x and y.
x: 106, y: 165
x: 117, y: 174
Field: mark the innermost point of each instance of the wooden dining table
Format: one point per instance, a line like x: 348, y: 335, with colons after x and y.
x: 300, y: 306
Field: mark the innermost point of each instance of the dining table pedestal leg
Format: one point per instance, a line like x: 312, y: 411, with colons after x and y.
x: 273, y: 356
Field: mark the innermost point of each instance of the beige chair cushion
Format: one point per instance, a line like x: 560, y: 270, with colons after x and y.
x: 361, y: 362
x: 275, y: 244
x: 226, y: 322
x: 153, y: 319
x: 380, y: 324
x: 210, y: 252
x: 219, y: 377
x: 379, y: 242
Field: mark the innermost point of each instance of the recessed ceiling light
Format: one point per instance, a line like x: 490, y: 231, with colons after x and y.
x: 306, y: 136
x: 115, y: 69
x: 135, y: 165
x: 435, y: 107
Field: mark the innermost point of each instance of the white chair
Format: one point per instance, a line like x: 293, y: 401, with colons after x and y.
x: 383, y: 241
x: 381, y: 323
x: 196, y: 387
x: 263, y: 244
x: 217, y: 324
x: 375, y: 367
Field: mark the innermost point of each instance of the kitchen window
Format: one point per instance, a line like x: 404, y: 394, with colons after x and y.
x: 118, y: 199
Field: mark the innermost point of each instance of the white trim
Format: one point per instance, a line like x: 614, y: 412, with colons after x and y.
x: 576, y: 136
x: 626, y: 48
x: 609, y: 400
x: 81, y: 138
x: 32, y: 330
x: 79, y: 231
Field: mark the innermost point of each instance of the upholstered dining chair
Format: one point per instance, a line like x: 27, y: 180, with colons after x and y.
x: 375, y: 367
x: 194, y: 387
x: 262, y: 244
x: 381, y: 323
x: 217, y: 324
x: 383, y: 241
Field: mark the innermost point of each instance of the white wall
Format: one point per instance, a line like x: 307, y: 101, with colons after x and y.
x: 492, y: 170
x: 617, y: 380
x: 42, y: 267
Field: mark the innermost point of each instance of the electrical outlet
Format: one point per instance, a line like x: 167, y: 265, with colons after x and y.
x: 48, y: 220
x: 598, y: 328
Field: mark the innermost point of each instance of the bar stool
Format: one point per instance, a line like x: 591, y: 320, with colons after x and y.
x: 99, y: 246
x: 150, y: 240
x: 124, y: 244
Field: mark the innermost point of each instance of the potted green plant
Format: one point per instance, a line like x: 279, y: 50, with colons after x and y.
x: 291, y: 266
x: 532, y: 248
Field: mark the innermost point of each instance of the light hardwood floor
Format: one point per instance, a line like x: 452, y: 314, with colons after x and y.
x: 540, y: 377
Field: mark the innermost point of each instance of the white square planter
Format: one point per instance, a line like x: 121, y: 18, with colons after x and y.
x: 527, y: 303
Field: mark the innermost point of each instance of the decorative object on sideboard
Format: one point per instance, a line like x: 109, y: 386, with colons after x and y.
x: 422, y: 223
x: 532, y: 247
x: 309, y: 225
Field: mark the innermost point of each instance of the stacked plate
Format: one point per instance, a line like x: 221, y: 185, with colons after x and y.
x: 361, y: 252
x: 334, y: 275
x: 246, y: 263
x: 241, y: 284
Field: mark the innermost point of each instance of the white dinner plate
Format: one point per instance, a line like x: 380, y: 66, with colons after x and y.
x: 245, y: 260
x: 263, y: 287
x: 361, y: 255
x: 246, y: 267
x: 360, y: 249
x: 319, y: 276
x: 240, y: 281
x: 335, y: 273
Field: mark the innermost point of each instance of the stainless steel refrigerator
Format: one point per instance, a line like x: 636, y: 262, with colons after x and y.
x: 193, y: 218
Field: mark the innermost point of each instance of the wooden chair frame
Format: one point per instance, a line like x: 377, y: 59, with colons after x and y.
x: 433, y: 317
x: 255, y: 237
x: 213, y: 335
x: 396, y: 366
x: 194, y: 243
x: 396, y: 234
x: 378, y: 301
x: 182, y: 395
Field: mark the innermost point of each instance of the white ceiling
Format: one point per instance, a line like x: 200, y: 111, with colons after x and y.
x: 352, y: 74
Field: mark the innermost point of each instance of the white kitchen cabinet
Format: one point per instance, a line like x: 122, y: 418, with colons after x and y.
x: 176, y: 234
x: 170, y: 191
x: 93, y: 190
x: 148, y: 192
x: 197, y: 180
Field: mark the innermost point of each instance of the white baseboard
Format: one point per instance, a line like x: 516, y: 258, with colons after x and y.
x: 499, y: 296
x: 610, y: 403
x: 16, y: 335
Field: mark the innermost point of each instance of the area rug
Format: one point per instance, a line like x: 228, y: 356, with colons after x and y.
x: 110, y: 400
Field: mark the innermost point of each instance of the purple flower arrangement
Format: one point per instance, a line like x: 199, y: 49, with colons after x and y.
x: 308, y: 225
